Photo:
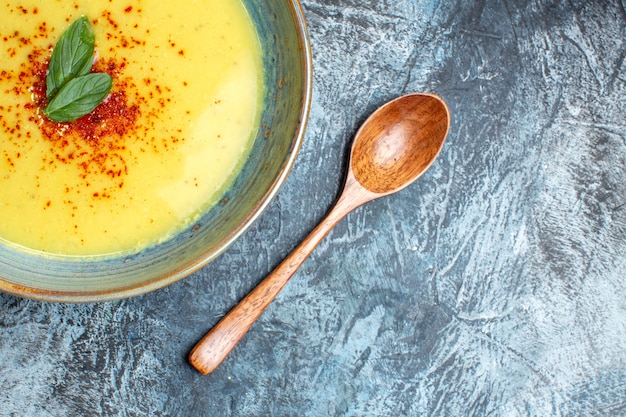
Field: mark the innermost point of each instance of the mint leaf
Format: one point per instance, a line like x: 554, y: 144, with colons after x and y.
x: 72, y: 56
x: 78, y: 97
x: 71, y: 90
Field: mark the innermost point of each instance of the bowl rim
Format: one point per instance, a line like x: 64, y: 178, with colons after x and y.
x: 207, y: 256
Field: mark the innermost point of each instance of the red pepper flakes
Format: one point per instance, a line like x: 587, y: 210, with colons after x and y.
x: 95, y: 143
x: 107, y: 16
x: 113, y: 118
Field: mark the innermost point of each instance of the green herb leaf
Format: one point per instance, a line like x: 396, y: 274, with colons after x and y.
x: 78, y: 97
x: 71, y: 90
x: 71, y: 57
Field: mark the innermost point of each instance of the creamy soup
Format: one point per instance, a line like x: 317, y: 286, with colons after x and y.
x: 162, y: 147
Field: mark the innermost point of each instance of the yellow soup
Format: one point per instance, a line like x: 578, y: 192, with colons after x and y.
x: 176, y: 127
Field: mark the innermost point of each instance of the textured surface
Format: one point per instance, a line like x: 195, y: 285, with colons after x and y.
x: 495, y: 286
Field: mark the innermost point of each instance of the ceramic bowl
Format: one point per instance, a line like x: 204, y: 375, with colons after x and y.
x: 288, y: 75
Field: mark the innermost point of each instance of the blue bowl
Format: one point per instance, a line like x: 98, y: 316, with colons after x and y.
x: 288, y: 71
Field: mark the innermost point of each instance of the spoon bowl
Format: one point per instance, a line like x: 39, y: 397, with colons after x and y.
x: 395, y: 145
x: 398, y: 142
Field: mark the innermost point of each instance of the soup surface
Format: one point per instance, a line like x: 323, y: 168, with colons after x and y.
x: 161, y: 148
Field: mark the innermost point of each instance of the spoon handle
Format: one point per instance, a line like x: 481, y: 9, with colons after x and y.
x: 213, y: 348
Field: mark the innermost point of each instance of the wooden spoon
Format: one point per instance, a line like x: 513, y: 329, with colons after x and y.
x: 395, y: 145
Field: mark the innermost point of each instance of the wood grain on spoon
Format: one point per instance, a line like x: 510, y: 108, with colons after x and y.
x: 395, y: 145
